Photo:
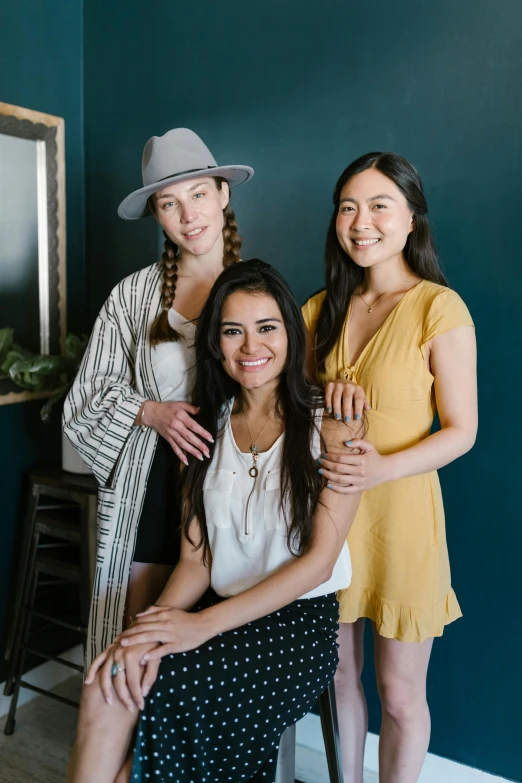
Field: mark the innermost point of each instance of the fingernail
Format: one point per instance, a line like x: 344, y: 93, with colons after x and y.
x: 211, y: 439
x: 357, y: 416
x: 207, y: 454
x: 319, y: 460
x: 200, y: 457
x: 131, y: 709
x: 320, y: 471
x: 328, y: 410
x: 348, y: 442
x: 146, y: 657
x: 146, y: 691
x: 337, y: 415
x: 323, y: 456
x: 109, y: 701
x: 124, y: 642
x: 329, y: 486
x: 347, y: 418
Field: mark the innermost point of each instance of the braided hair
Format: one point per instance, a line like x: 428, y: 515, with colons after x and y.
x: 160, y: 330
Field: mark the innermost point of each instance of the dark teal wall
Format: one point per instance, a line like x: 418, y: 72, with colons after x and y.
x: 41, y: 68
x: 299, y: 89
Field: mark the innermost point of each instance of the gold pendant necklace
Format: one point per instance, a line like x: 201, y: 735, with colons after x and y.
x: 386, y: 293
x: 254, y: 472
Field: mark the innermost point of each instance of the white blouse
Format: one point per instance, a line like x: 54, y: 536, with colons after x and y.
x: 173, y: 362
x: 246, y: 525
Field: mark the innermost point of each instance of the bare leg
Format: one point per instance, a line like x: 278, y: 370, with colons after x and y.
x: 125, y: 772
x: 146, y: 583
x: 401, y: 669
x: 351, y: 702
x: 103, y: 738
x: 102, y: 750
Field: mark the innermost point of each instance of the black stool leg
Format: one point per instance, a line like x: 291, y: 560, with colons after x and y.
x: 22, y: 570
x: 25, y: 624
x: 332, y: 743
x: 26, y: 595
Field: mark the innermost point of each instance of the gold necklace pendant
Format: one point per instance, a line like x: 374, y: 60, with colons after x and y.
x: 254, y: 450
x: 255, y: 453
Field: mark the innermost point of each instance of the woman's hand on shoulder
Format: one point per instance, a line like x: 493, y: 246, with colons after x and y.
x: 174, y: 422
x: 357, y: 468
x: 351, y: 464
x: 345, y: 400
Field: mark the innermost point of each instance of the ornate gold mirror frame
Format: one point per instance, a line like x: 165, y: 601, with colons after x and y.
x: 49, y: 236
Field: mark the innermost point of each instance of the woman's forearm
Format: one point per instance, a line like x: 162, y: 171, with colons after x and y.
x: 187, y: 583
x: 281, y: 588
x: 430, y: 454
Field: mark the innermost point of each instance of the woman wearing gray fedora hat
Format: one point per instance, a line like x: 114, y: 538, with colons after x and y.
x: 128, y: 413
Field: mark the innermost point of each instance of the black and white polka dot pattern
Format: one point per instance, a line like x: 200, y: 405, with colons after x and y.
x: 216, y: 714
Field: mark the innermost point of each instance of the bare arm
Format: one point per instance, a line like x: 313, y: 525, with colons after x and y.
x: 191, y: 577
x: 453, y: 365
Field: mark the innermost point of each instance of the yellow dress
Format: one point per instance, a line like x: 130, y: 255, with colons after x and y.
x: 401, y: 573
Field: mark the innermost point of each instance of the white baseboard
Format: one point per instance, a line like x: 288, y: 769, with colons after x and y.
x: 435, y: 770
x: 48, y: 675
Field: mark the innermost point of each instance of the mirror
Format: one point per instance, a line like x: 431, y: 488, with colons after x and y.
x: 32, y: 235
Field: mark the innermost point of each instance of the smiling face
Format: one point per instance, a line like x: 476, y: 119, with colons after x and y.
x: 374, y: 219
x: 191, y: 213
x: 253, y: 339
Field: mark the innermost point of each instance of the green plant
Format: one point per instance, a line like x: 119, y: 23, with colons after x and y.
x: 41, y: 373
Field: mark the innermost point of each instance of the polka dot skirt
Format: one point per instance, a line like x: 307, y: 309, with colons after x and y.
x: 216, y: 714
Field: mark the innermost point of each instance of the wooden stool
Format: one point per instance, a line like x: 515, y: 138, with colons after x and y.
x: 286, y: 760
x: 58, y: 542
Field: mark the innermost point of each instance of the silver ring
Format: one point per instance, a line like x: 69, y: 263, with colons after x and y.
x: 116, y: 669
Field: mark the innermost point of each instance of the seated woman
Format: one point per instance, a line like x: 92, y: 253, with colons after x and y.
x: 263, y: 544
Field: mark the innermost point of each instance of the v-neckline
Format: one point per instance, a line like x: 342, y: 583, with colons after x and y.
x: 379, y: 330
x: 183, y: 318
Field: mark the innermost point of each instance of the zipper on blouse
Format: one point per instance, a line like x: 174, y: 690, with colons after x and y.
x: 246, y: 531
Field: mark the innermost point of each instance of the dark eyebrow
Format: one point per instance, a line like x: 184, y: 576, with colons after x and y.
x: 261, y: 321
x: 373, y: 198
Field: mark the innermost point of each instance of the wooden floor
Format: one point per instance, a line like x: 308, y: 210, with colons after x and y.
x: 38, y: 750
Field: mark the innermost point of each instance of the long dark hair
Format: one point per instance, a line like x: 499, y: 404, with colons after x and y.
x: 297, y: 399
x: 342, y: 274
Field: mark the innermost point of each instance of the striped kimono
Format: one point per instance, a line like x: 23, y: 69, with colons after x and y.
x: 115, y: 378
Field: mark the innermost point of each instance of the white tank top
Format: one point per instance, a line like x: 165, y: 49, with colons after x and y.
x: 246, y: 525
x: 173, y: 362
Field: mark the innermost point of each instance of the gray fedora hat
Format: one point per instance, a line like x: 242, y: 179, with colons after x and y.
x: 177, y: 156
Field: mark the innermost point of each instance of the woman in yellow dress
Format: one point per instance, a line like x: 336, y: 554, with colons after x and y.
x: 388, y: 322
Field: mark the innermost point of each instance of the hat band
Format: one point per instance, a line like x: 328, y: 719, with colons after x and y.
x: 182, y: 173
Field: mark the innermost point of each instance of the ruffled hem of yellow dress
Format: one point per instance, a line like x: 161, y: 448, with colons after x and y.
x: 395, y: 621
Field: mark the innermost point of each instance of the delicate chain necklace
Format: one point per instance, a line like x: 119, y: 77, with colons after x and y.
x: 386, y: 293
x: 253, y: 448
